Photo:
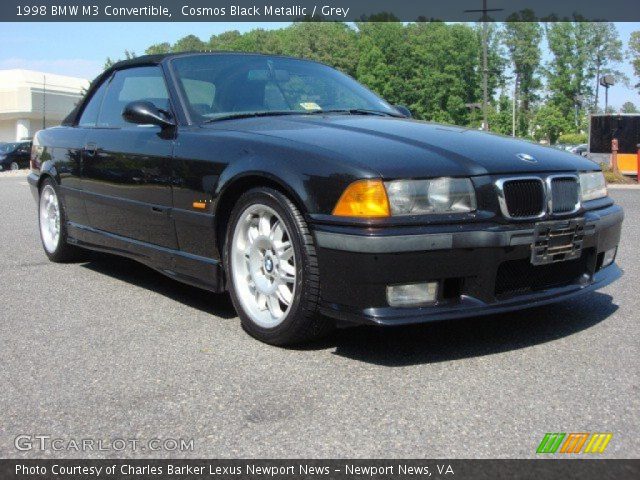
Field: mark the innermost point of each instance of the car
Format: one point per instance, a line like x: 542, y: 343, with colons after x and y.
x: 581, y: 150
x: 14, y: 155
x: 314, y: 202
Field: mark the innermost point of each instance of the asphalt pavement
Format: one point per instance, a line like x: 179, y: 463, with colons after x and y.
x: 109, y: 349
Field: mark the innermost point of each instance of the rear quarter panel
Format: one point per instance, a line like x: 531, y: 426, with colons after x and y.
x: 58, y: 151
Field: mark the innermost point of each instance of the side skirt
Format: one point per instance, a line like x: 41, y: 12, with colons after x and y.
x: 201, y: 272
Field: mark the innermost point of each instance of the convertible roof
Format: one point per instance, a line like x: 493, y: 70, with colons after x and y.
x: 142, y: 60
x: 159, y: 58
x: 149, y: 60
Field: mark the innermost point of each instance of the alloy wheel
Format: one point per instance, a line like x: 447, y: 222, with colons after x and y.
x: 49, y: 218
x: 263, y: 265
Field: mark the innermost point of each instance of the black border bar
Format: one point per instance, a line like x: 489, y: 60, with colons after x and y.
x: 317, y: 10
x: 561, y: 469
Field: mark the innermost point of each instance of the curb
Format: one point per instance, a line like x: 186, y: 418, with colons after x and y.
x: 14, y: 174
x: 623, y: 186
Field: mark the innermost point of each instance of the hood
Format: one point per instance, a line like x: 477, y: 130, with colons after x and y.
x: 402, y: 148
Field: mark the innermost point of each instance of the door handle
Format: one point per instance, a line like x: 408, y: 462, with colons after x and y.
x: 91, y: 148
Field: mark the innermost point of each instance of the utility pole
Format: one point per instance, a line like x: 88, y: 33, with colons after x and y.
x: 514, y: 106
x: 485, y: 67
x: 44, y: 102
x: 485, y: 63
x: 578, y: 101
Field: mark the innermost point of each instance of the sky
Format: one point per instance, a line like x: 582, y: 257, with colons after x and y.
x: 80, y: 49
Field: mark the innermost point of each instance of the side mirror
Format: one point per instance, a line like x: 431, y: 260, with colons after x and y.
x: 403, y: 110
x: 145, y: 113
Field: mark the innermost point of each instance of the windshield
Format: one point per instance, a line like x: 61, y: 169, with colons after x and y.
x: 230, y: 85
x: 8, y: 147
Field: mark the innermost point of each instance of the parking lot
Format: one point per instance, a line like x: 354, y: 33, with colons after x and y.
x: 109, y: 349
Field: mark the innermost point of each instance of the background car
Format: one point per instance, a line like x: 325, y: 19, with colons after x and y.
x: 14, y: 156
x: 580, y: 149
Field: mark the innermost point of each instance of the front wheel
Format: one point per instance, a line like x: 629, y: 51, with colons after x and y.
x: 15, y: 166
x: 271, y: 265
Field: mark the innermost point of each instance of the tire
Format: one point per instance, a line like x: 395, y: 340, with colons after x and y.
x: 275, y: 288
x: 55, y: 246
x: 15, y: 166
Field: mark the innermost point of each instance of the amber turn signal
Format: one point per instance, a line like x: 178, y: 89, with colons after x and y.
x: 363, y: 198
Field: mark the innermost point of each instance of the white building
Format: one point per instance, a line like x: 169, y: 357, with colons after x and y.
x: 29, y: 100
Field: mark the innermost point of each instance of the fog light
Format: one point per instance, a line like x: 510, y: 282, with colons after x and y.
x: 412, y: 294
x: 609, y: 257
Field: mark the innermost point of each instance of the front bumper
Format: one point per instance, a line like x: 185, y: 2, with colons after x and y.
x: 469, y: 261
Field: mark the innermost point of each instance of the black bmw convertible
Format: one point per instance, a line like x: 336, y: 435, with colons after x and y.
x: 313, y: 201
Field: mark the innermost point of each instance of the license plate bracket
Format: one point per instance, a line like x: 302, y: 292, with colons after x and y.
x: 557, y: 241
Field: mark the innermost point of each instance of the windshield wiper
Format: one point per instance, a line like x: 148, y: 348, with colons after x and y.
x: 357, y: 111
x: 232, y: 116
x: 347, y: 111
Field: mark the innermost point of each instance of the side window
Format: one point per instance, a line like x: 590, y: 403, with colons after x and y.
x: 140, y: 83
x: 89, y: 116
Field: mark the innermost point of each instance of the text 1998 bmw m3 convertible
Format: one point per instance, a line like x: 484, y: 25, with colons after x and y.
x: 312, y: 200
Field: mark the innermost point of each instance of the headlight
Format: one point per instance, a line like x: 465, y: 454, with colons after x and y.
x: 592, y: 186
x: 437, y: 195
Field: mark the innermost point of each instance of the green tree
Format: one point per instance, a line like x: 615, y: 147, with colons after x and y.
x: 372, y: 69
x: 441, y: 74
x: 500, y: 115
x: 568, y: 70
x: 228, y: 41
x: 522, y: 36
x: 259, y: 40
x: 190, y: 43
x: 332, y: 43
x: 158, y: 48
x: 629, y: 107
x: 634, y: 53
x: 390, y: 40
x: 605, y: 50
x: 549, y: 123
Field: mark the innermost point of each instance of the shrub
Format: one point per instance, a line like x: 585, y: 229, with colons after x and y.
x: 573, y: 138
x: 611, y: 177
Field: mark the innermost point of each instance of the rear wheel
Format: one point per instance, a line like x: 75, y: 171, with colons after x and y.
x: 15, y: 166
x: 53, y: 227
x: 271, y: 265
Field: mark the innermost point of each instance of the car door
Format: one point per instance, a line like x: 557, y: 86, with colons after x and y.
x: 127, y: 170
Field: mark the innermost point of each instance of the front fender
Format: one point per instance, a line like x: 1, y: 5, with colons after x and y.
x: 313, y: 179
x: 273, y: 172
